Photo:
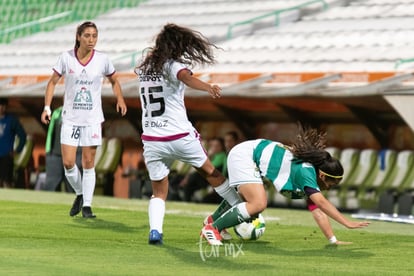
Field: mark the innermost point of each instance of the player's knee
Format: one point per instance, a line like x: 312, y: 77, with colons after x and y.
x: 261, y: 205
x: 68, y: 164
x: 88, y: 163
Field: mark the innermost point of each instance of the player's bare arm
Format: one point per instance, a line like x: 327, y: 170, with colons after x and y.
x: 50, y: 90
x: 195, y: 83
x: 116, y: 88
x: 332, y: 212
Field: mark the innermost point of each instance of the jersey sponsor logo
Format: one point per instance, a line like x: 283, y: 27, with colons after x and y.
x: 83, y: 100
x: 83, y: 82
x: 149, y: 77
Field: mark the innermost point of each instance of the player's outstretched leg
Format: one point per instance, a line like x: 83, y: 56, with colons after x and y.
x: 221, y: 209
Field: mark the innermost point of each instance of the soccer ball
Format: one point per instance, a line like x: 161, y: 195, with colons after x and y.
x: 251, y: 230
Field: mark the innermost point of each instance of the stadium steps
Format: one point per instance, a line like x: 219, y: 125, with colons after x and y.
x: 33, y: 12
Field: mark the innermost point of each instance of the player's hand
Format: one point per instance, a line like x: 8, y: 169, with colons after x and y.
x: 215, y: 91
x: 342, y: 243
x: 121, y: 107
x: 357, y: 224
x: 45, y: 117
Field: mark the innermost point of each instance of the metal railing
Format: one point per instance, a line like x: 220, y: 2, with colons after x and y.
x: 32, y: 26
x: 402, y: 61
x: 133, y: 55
x: 275, y: 13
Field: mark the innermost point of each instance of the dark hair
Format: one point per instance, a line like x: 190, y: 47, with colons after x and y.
x: 180, y: 44
x: 309, y: 146
x: 220, y: 141
x: 4, y: 101
x: 233, y: 134
x: 82, y: 28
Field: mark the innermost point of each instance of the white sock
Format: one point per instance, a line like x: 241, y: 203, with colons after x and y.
x: 243, y: 210
x: 228, y: 193
x: 156, y: 212
x: 74, y: 178
x: 88, y: 185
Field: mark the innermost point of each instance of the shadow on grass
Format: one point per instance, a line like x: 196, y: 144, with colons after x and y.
x: 338, y: 251
x: 99, y: 223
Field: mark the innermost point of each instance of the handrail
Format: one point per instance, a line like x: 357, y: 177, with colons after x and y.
x: 132, y: 55
x: 402, y: 61
x: 35, y: 24
x: 275, y: 13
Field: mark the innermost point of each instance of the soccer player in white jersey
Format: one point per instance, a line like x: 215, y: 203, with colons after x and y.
x: 168, y: 135
x: 83, y: 69
x: 299, y: 171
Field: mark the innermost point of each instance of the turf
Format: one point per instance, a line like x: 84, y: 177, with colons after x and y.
x: 38, y: 237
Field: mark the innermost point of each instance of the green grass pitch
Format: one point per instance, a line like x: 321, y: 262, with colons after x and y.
x: 38, y: 237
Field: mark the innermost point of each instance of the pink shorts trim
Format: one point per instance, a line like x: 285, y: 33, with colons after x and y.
x: 164, y: 138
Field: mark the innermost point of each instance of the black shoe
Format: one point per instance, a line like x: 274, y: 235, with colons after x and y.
x: 77, y: 206
x: 87, y: 212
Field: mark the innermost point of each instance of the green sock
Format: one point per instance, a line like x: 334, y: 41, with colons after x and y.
x: 230, y: 218
x: 221, y: 209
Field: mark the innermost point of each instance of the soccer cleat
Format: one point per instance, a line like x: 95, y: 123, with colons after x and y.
x: 76, y: 206
x: 225, y: 235
x: 208, y: 220
x: 87, y: 212
x: 211, y: 234
x: 155, y: 237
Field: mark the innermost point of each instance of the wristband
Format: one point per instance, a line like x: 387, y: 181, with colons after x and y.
x: 47, y: 109
x: 333, y: 240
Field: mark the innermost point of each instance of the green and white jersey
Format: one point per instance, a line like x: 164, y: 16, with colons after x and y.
x: 274, y: 162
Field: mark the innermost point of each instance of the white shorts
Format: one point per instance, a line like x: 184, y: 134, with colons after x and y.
x: 73, y: 135
x: 159, y: 155
x: 240, y: 165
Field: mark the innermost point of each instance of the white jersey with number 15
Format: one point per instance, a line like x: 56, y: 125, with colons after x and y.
x: 162, y: 102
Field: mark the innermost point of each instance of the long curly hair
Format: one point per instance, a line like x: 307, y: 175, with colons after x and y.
x: 180, y: 44
x: 309, y: 146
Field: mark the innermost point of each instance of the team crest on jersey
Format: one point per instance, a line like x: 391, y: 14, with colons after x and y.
x: 83, y: 100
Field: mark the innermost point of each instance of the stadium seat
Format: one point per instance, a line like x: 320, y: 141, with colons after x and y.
x: 368, y: 193
x: 107, y: 166
x: 334, y: 152
x: 402, y: 172
x: 100, y: 151
x: 21, y: 162
x: 349, y: 159
x: 392, y: 191
x: 363, y: 171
